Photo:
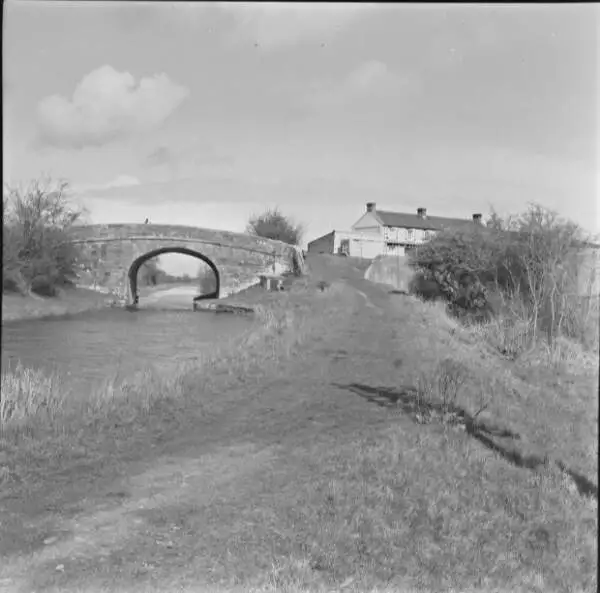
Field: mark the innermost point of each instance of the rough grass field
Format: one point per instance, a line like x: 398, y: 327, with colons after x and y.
x: 359, y: 441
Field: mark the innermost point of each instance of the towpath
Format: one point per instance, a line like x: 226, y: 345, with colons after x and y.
x: 97, y: 531
x: 306, y: 476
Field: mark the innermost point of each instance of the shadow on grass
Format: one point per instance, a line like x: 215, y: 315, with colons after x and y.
x: 407, y: 400
x: 585, y: 486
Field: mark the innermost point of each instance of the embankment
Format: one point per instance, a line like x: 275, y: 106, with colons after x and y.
x: 16, y: 307
x: 392, y: 271
x: 282, y: 320
x: 328, y: 451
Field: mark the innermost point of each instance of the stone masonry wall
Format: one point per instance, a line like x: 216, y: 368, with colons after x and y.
x: 108, y: 251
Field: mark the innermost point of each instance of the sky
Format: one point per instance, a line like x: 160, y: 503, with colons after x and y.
x: 206, y: 113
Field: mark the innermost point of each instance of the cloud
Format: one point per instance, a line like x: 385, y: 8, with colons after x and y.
x: 166, y: 161
x: 121, y: 181
x: 172, y: 17
x: 371, y: 79
x: 187, y: 160
x: 107, y: 105
x: 220, y: 215
x: 274, y: 25
x: 160, y: 156
x: 367, y: 75
x: 467, y: 34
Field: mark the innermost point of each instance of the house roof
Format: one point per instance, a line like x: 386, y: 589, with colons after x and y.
x: 413, y: 221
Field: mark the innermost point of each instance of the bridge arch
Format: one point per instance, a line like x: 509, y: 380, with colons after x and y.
x: 138, y: 262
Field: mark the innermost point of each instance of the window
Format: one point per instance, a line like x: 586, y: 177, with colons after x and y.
x: 344, y: 247
x: 103, y: 249
x: 410, y: 234
x: 394, y: 248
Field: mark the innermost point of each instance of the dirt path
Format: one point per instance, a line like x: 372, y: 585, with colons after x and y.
x: 122, y: 528
x: 312, y: 473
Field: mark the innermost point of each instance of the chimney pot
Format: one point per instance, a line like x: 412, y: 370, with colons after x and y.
x: 370, y: 206
x: 422, y: 212
x: 477, y: 218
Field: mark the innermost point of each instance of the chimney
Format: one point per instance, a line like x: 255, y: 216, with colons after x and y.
x: 422, y: 212
x: 370, y: 206
x: 477, y: 218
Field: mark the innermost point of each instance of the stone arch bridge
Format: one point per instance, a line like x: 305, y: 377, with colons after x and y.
x: 111, y: 255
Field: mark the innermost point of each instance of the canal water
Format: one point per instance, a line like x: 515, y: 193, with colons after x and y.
x: 90, y: 348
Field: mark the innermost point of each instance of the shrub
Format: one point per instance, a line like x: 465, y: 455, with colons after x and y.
x: 150, y: 273
x: 36, y: 256
x: 522, y: 267
x: 272, y: 224
x: 427, y: 289
x: 444, y: 384
x: 207, y: 279
x: 297, y: 262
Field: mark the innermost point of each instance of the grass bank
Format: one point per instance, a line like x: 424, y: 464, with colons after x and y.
x: 358, y: 442
x: 16, y: 307
x: 37, y: 408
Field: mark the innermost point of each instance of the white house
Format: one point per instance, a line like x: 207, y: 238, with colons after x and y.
x: 354, y: 243
x: 380, y: 232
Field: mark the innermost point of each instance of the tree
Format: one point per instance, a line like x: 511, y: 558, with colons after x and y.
x: 150, y: 273
x: 206, y: 278
x: 272, y: 224
x: 37, y: 256
x: 529, y: 260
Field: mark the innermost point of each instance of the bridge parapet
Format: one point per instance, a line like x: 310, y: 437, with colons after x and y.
x: 112, y: 253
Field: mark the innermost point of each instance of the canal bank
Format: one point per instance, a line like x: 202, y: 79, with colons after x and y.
x: 297, y: 458
x: 282, y: 317
x: 73, y: 301
x: 103, y: 347
x: 16, y: 307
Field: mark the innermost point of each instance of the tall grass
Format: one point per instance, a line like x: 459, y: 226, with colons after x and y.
x: 513, y: 333
x: 376, y: 502
x: 527, y: 283
x: 26, y: 393
x: 33, y: 398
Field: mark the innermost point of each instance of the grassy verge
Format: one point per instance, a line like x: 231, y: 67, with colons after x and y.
x: 37, y: 409
x: 77, y: 300
x: 362, y: 448
x: 424, y: 501
x: 546, y: 396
